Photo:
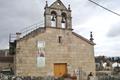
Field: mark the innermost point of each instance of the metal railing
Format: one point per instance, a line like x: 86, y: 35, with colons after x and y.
x: 25, y: 31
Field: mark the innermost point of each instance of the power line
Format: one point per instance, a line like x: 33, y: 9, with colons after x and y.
x: 31, y: 27
x: 104, y: 8
x: 40, y: 22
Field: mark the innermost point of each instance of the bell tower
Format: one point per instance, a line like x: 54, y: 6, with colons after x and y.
x: 57, y: 15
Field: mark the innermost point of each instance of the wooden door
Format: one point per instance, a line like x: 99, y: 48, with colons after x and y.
x: 60, y: 69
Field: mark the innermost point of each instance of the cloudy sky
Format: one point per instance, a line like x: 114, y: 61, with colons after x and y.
x: 15, y: 15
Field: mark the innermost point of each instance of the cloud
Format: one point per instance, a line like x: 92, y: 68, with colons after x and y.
x: 114, y: 31
x: 16, y: 15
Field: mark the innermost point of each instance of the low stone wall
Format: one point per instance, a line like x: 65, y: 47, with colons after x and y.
x: 4, y: 77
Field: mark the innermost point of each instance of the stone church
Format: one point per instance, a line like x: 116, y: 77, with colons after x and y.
x: 54, y: 49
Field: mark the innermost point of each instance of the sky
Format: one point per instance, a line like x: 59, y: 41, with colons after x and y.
x: 16, y: 15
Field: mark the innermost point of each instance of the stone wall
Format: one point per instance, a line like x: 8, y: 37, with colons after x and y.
x: 76, y: 52
x: 4, y: 65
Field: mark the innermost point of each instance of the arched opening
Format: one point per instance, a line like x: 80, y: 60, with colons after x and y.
x: 53, y: 19
x: 63, y: 20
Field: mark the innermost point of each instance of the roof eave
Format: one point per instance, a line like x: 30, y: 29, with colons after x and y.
x: 81, y: 37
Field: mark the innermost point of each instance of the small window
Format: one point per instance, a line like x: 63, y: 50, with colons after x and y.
x: 60, y: 39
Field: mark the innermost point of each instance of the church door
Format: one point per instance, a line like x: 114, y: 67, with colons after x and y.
x: 60, y: 69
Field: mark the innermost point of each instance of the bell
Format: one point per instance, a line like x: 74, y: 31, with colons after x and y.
x: 53, y: 18
x: 63, y: 20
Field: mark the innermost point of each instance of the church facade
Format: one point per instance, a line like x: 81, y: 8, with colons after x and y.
x: 54, y: 49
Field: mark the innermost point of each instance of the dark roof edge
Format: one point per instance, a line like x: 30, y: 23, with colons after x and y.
x: 81, y: 37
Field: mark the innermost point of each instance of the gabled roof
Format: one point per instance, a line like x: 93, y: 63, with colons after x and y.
x: 34, y: 32
x: 81, y: 37
x: 43, y: 29
x: 58, y: 5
